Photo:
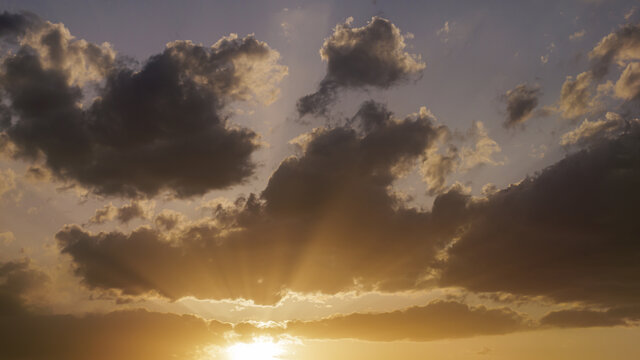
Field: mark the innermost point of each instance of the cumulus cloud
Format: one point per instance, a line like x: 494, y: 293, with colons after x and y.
x: 588, y: 132
x: 483, y: 150
x: 619, y: 46
x: 124, y: 214
x: 29, y: 333
x: 323, y: 219
x: 568, y: 233
x: 458, y: 156
x: 521, y: 101
x: 434, y: 321
x: 370, y: 56
x: 576, y: 96
x: 438, y: 167
x: 160, y: 127
x: 628, y: 85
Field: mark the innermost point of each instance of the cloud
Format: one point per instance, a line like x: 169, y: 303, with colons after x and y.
x: 588, y: 132
x: 27, y: 332
x: 326, y: 215
x: 37, y: 173
x: 7, y: 238
x: 370, y: 56
x: 628, y: 85
x: 437, y: 167
x: 124, y: 214
x: 483, y: 149
x: 7, y: 181
x: 444, y: 32
x: 435, y: 321
x: 568, y: 233
x: 458, y: 156
x: 167, y: 219
x: 577, y: 35
x: 160, y: 127
x: 323, y: 219
x: 12, y: 25
x: 621, y: 45
x: 579, y: 318
x: 521, y: 101
x: 576, y: 96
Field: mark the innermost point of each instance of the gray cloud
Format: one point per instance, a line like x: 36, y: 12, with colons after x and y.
x: 27, y: 332
x: 167, y: 220
x: 161, y: 127
x: 323, y: 219
x: 521, y: 101
x: 370, y: 56
x: 568, y: 233
x: 12, y: 25
x: 578, y: 318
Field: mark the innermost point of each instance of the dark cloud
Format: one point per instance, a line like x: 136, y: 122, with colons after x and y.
x: 521, y: 101
x: 578, y: 318
x: 12, y: 25
x: 321, y: 223
x: 568, y: 233
x: 327, y: 215
x: 29, y: 333
x: 161, y: 127
x: 435, y: 321
x: 370, y: 56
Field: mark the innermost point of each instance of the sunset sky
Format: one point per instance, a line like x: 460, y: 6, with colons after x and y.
x: 306, y: 180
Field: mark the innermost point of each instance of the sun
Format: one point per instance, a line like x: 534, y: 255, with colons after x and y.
x: 259, y: 349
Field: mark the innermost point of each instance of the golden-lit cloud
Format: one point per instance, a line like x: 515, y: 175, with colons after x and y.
x: 437, y: 320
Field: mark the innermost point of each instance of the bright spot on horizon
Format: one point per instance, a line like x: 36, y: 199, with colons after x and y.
x: 259, y: 349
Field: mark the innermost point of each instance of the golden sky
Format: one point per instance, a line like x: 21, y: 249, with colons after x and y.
x: 315, y: 180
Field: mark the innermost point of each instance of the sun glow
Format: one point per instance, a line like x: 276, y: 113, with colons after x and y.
x: 259, y: 349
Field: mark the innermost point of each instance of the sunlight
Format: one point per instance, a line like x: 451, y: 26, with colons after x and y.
x: 259, y: 349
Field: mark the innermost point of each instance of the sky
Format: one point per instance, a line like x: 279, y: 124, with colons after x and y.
x: 319, y: 180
